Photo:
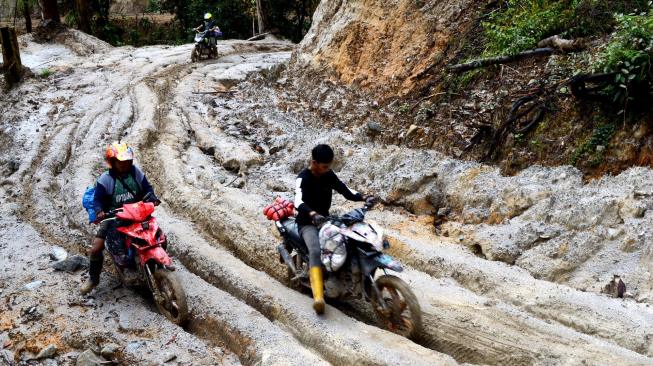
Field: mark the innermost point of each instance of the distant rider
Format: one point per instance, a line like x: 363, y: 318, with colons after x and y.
x: 122, y: 183
x: 210, y: 26
x: 313, y: 191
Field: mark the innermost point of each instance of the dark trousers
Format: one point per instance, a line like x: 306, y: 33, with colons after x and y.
x: 310, y: 235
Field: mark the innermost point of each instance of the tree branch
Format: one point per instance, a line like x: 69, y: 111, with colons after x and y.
x: 475, y: 64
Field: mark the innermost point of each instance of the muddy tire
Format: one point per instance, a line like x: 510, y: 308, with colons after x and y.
x: 403, y: 315
x: 214, y: 52
x: 172, y: 297
x: 195, y: 55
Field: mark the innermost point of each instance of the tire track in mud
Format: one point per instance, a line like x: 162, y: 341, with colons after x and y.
x: 255, y: 341
x: 466, y: 344
x: 584, y: 312
x: 349, y: 345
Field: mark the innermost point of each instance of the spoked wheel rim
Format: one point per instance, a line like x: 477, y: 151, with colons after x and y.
x: 402, y: 314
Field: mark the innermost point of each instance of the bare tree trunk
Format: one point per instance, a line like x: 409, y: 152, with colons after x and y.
x: 13, y: 67
x: 27, y: 14
x: 262, y: 14
x: 300, y: 21
x: 84, y: 15
x: 49, y: 10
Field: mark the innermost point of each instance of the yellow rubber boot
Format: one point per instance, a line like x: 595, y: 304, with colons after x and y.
x: 317, y: 285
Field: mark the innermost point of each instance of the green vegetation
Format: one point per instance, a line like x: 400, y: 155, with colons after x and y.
x: 628, y: 54
x: 518, y: 25
x: 45, y: 73
x: 523, y: 23
x: 600, y: 137
x: 403, y: 108
x: 237, y: 18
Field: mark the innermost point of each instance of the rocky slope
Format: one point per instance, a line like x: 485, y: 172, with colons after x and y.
x: 395, y: 53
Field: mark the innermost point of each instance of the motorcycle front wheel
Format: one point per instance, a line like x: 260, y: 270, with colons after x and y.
x: 402, y: 314
x: 171, y: 299
x: 195, y: 55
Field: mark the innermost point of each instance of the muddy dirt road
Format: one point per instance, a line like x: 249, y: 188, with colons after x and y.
x: 216, y: 160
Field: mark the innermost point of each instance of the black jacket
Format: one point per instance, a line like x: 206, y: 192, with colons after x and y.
x: 314, y: 194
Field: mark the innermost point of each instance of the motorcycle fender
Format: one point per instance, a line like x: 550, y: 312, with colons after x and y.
x: 386, y: 261
x: 370, y: 263
x: 155, y: 253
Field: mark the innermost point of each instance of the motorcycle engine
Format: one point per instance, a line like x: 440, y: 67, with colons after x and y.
x: 333, y: 287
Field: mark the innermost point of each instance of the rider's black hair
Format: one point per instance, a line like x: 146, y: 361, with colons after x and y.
x: 322, y: 153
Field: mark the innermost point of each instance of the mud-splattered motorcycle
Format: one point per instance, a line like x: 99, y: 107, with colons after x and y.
x: 352, y: 256
x: 205, y: 45
x: 143, y: 260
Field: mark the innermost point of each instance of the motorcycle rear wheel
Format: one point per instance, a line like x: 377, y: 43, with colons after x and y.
x: 403, y: 314
x: 172, y: 297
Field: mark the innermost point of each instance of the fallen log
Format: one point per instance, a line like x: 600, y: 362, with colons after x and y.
x: 561, y: 44
x: 475, y: 64
x: 258, y: 36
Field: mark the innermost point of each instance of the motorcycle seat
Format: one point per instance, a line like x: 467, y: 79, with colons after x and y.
x: 292, y: 232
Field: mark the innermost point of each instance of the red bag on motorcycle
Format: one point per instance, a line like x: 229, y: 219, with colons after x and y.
x: 279, y: 209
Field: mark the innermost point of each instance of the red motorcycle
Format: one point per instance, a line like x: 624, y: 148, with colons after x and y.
x: 145, y: 260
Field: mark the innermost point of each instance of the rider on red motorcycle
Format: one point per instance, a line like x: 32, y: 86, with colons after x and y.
x: 122, y: 183
x: 313, y: 190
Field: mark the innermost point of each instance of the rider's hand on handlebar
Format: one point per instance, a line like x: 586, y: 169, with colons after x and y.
x: 100, y: 216
x: 318, y: 219
x: 370, y: 200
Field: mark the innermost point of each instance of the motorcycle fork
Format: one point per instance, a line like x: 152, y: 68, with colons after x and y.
x: 377, y: 293
x: 151, y: 282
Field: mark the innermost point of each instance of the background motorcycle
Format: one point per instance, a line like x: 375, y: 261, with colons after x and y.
x: 205, y: 45
x: 144, y: 259
x: 352, y: 255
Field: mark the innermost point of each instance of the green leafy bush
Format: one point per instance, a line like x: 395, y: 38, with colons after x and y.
x: 600, y: 137
x: 628, y: 54
x: 520, y: 24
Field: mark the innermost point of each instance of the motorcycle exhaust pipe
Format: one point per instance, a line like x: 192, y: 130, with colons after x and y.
x: 286, y: 258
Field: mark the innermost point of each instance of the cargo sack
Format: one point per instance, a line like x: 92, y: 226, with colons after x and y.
x: 279, y: 209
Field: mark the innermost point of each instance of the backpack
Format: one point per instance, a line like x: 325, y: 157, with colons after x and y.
x: 88, y: 201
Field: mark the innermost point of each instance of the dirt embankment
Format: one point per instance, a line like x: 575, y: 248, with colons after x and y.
x: 394, y: 53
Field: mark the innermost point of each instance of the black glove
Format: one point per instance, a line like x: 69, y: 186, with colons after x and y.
x: 370, y: 201
x: 318, y: 219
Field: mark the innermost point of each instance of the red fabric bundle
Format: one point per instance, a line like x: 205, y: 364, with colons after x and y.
x: 279, y: 209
